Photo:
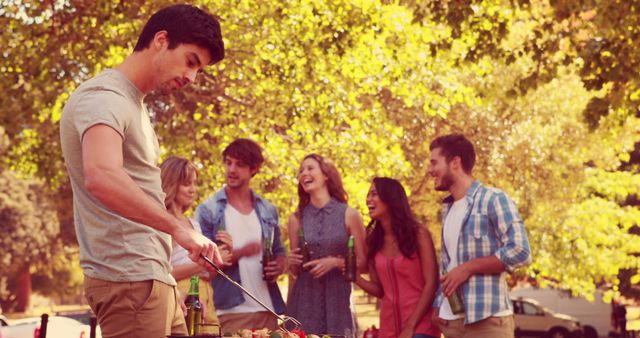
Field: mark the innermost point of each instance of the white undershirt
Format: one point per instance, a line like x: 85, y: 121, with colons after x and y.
x: 245, y: 229
x: 451, y: 231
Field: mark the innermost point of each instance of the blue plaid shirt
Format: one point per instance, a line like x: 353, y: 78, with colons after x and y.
x: 491, y: 226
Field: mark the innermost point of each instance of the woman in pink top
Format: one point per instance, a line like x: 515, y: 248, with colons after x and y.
x: 402, y: 263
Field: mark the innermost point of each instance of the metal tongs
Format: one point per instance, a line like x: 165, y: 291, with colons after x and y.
x: 283, y: 318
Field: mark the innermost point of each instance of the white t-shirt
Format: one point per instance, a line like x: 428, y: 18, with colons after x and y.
x: 451, y: 230
x: 245, y: 229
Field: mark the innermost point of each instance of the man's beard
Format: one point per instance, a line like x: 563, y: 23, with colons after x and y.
x: 237, y: 183
x: 446, y: 182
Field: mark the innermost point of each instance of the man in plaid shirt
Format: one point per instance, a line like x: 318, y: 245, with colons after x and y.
x: 483, y: 237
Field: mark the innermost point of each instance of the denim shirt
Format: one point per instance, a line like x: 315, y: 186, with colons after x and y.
x: 210, y: 215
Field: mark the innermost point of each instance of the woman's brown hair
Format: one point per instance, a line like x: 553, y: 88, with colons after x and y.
x: 334, y: 183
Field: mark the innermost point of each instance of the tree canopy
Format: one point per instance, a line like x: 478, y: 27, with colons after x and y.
x: 547, y: 90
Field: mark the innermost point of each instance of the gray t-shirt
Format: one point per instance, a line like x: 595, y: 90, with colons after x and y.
x: 112, y: 247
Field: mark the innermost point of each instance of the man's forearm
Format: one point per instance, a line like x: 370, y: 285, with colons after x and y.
x: 117, y: 191
x: 185, y: 271
x: 484, y: 265
x: 369, y: 287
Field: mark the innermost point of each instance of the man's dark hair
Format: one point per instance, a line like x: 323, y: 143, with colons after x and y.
x: 453, y: 145
x: 246, y: 151
x: 184, y: 24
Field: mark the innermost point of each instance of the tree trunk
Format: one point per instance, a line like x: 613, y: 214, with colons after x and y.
x: 23, y: 289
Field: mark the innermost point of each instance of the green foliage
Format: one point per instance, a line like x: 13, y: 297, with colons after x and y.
x: 29, y: 222
x: 29, y: 227
x: 64, y: 279
x: 547, y: 91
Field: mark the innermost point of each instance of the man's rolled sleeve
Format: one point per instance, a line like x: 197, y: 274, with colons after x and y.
x: 515, y: 250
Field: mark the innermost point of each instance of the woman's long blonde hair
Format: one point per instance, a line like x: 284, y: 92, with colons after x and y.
x: 174, y: 171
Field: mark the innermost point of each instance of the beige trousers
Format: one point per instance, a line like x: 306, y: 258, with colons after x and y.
x: 492, y: 327
x: 146, y: 309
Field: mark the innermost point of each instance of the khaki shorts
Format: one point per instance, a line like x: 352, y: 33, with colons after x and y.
x: 492, y: 327
x: 145, y: 309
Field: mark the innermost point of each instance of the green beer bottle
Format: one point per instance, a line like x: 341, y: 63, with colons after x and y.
x: 221, y: 229
x: 351, y: 263
x: 267, y: 256
x: 304, y: 247
x: 194, y: 307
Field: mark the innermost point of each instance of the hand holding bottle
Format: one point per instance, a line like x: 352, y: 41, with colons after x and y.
x: 451, y: 281
x: 452, y: 293
x: 223, y: 239
x: 274, y: 269
x: 197, y: 245
x: 295, y: 258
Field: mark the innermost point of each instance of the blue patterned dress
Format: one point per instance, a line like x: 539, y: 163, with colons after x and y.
x: 322, y: 304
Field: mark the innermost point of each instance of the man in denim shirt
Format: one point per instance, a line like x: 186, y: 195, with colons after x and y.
x: 251, y: 221
x: 483, y: 236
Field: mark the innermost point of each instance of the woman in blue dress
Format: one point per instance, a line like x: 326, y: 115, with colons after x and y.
x: 321, y: 296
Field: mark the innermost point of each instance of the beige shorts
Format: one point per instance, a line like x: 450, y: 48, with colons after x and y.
x: 145, y: 309
x: 492, y: 327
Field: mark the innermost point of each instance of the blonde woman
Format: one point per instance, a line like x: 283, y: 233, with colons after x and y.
x: 179, y: 184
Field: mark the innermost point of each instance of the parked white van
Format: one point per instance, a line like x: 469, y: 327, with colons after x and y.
x: 594, y: 317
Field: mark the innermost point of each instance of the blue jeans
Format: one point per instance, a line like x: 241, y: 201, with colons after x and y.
x: 422, y: 335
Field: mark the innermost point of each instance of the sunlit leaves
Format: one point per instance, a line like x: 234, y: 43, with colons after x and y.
x: 369, y: 84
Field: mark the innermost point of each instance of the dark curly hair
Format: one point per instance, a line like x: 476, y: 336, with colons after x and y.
x: 403, y: 223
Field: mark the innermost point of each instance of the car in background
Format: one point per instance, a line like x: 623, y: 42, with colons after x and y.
x: 57, y: 327
x: 595, y: 315
x: 533, y: 320
x: 82, y: 315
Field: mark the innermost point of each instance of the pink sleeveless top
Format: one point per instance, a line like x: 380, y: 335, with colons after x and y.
x: 402, y: 281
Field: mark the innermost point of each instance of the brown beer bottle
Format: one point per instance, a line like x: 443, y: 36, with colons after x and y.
x: 455, y: 301
x: 267, y: 256
x: 350, y: 263
x: 304, y: 247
